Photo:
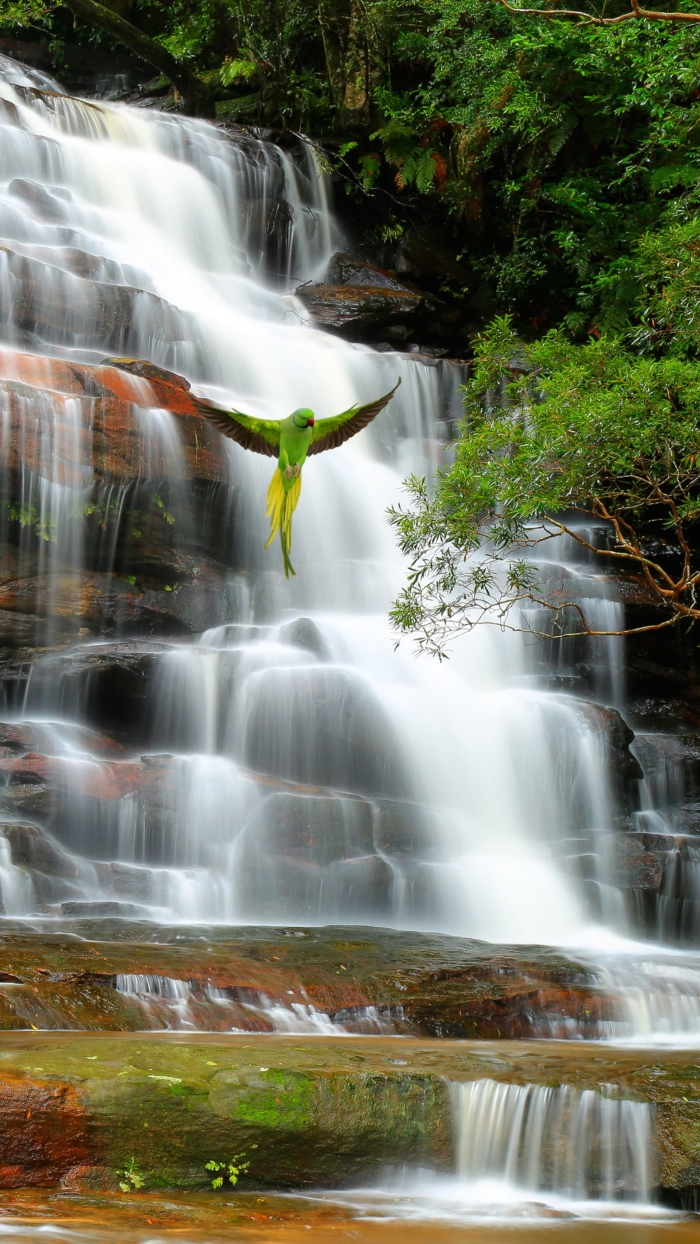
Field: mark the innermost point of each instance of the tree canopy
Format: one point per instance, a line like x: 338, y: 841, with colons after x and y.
x: 559, y: 438
x: 538, y: 150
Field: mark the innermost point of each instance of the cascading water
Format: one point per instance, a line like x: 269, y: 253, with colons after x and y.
x: 579, y: 1145
x: 293, y: 767
x: 423, y: 823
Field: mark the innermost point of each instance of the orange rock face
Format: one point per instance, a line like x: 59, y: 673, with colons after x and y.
x: 42, y: 1131
x: 97, y: 417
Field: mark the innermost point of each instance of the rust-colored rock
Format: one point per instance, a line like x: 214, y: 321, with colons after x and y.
x: 38, y: 395
x: 43, y: 1131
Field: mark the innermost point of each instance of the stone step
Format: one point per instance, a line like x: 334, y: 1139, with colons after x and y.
x: 75, y: 1109
x: 66, y: 976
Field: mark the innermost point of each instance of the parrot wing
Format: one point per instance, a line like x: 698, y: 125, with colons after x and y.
x: 260, y: 435
x: 330, y: 433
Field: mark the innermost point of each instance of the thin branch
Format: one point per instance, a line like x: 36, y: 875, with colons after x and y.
x: 589, y: 19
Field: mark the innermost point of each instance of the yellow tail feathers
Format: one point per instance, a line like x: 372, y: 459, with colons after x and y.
x: 281, y: 504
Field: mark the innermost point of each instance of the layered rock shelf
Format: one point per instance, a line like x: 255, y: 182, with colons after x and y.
x: 76, y: 1109
x: 88, y: 976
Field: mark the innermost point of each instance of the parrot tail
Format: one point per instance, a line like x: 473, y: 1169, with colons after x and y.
x: 281, y: 504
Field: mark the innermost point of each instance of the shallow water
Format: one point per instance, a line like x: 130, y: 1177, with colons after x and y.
x: 370, y: 1218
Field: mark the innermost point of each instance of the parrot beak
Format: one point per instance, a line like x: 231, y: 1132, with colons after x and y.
x: 310, y: 423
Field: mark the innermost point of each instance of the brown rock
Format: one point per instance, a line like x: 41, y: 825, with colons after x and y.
x: 42, y: 1131
x: 111, y: 441
x: 351, y: 310
x: 344, y: 270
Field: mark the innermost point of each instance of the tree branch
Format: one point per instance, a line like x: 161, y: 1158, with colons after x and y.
x: 195, y: 94
x: 589, y: 19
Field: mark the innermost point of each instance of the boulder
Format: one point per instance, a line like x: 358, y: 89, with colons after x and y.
x: 333, y: 732
x: 343, y: 269
x: 109, y: 685
x: 303, y: 633
x: 353, y: 311
x: 615, y: 736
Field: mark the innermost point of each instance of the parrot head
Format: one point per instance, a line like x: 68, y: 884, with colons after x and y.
x: 303, y: 417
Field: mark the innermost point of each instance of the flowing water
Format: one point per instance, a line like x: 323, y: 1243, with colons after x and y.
x: 292, y: 766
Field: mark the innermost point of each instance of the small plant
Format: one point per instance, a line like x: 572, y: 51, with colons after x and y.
x: 130, y: 1176
x: 165, y: 514
x: 231, y: 1171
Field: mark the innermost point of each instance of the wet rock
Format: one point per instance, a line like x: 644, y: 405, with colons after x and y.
x: 311, y: 1128
x: 641, y: 859
x: 17, y: 737
x: 303, y: 633
x: 327, y: 1113
x: 615, y: 736
x: 404, y: 829
x: 658, y: 876
x: 353, y: 311
x: 269, y: 224
x: 126, y: 881
x: 53, y: 303
x: 9, y: 114
x: 80, y: 263
x: 332, y: 733
x: 32, y: 848
x: 110, y: 685
x: 97, y: 910
x: 312, y: 828
x: 343, y: 269
x: 45, y: 206
x: 291, y: 888
x: 423, y: 983
x: 111, y: 442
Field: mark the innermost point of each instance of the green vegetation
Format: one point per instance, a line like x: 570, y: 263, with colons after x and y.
x: 130, y: 1176
x: 557, y: 431
x: 540, y: 151
x: 231, y: 1170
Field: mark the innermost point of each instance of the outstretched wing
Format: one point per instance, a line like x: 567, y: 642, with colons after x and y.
x: 330, y: 433
x: 260, y: 435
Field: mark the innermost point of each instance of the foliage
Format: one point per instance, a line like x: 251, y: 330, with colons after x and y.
x: 130, y: 1176
x: 557, y: 435
x: 30, y: 516
x: 232, y: 1170
x: 541, y: 150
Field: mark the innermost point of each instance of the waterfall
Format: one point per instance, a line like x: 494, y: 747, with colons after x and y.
x: 578, y: 1145
x: 199, y: 738
x: 292, y: 766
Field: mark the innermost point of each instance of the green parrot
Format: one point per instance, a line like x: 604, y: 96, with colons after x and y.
x: 291, y: 440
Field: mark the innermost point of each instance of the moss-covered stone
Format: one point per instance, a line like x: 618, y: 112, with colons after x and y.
x: 426, y: 984
x: 305, y: 1112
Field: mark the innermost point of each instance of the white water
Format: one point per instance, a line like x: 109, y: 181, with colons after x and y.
x: 461, y: 797
x: 579, y: 1145
x: 529, y: 1152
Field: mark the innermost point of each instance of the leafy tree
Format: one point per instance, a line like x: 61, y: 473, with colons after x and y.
x: 558, y: 438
